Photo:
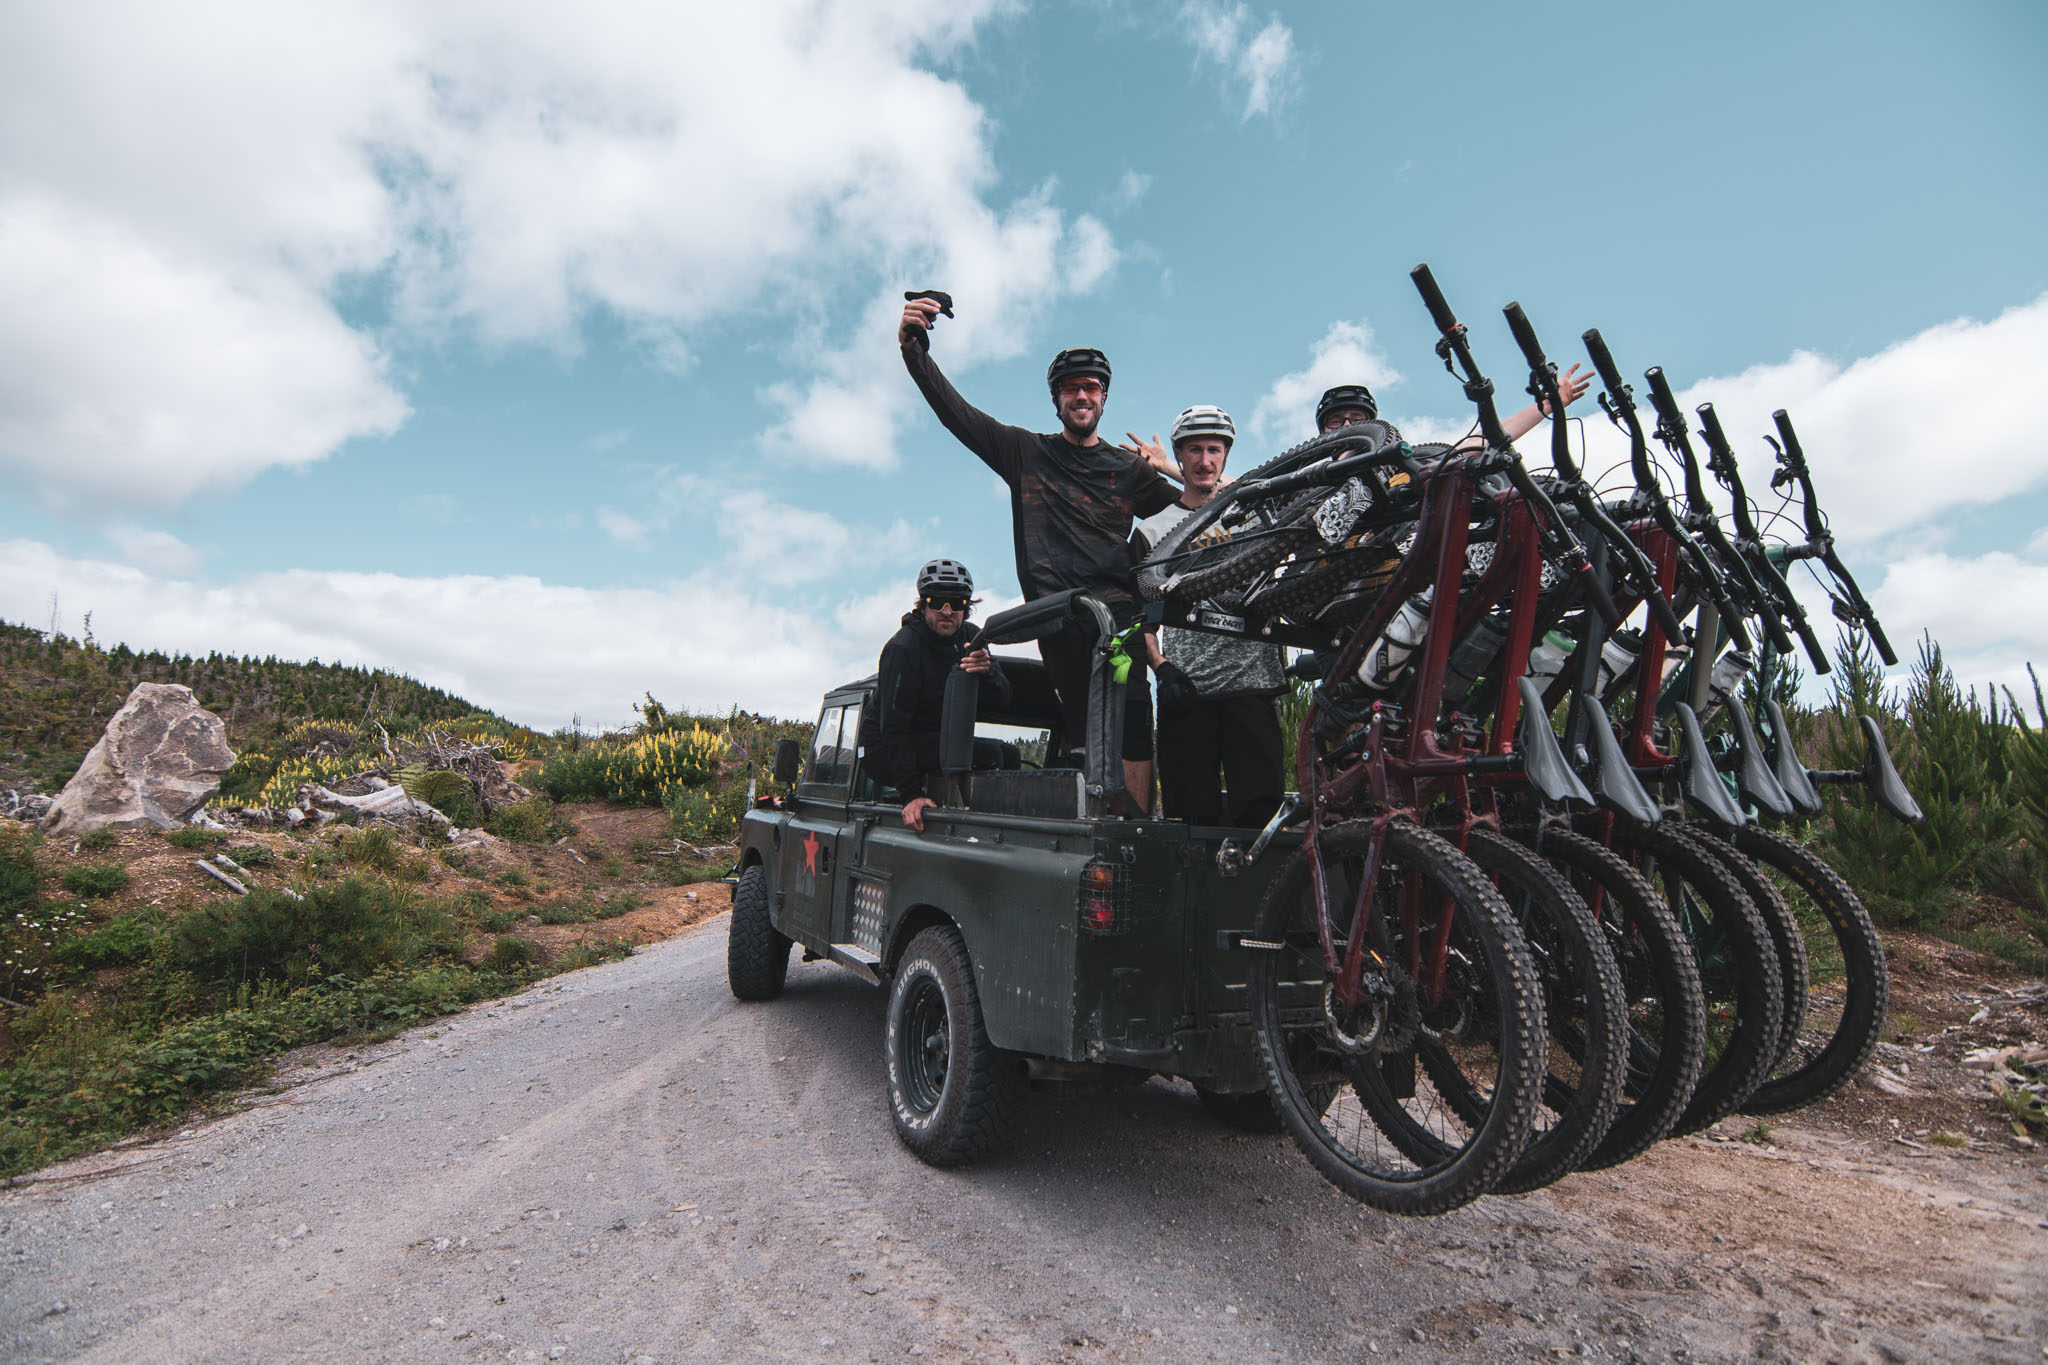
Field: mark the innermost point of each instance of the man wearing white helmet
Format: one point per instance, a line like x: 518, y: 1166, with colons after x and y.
x: 1217, y: 713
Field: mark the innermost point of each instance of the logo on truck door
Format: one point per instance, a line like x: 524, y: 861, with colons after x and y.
x: 814, y: 854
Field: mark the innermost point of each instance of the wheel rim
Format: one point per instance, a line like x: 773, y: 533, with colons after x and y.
x: 924, y: 1045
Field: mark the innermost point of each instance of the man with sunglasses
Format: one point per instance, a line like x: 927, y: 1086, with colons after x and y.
x: 1348, y: 403
x: 910, y: 687
x: 1073, y: 500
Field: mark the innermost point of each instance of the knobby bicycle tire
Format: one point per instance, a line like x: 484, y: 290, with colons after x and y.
x: 1583, y: 1008
x: 1738, y: 966
x: 1794, y: 972
x: 1498, y: 1009
x: 1667, y: 1010
x: 1851, y: 982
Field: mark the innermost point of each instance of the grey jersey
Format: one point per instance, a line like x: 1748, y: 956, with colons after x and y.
x: 1217, y: 665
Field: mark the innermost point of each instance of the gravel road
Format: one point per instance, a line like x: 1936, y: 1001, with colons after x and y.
x: 626, y: 1164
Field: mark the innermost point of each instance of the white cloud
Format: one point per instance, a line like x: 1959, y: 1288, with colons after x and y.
x: 1262, y: 61
x: 1345, y: 354
x: 159, y: 551
x: 535, y: 651
x: 185, y: 192
x: 1988, y: 612
x: 1941, y: 420
x: 1129, y: 191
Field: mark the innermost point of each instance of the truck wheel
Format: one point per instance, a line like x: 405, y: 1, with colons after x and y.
x: 756, y: 954
x: 956, y: 1096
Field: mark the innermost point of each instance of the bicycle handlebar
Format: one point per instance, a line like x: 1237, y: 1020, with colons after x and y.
x: 1433, y: 299
x: 1792, y: 465
x: 1603, y: 361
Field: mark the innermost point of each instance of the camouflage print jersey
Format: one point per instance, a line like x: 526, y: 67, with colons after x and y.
x: 1217, y: 665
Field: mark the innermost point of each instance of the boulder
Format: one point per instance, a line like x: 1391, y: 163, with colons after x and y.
x: 161, y: 759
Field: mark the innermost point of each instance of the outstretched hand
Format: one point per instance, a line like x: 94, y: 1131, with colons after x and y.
x: 918, y: 315
x: 1571, y: 385
x: 1154, y: 453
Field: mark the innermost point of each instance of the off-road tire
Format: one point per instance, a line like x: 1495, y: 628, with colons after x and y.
x: 1738, y: 966
x: 756, y: 953
x: 956, y: 1097
x: 1833, y: 1046
x: 1337, y: 1135
x: 1583, y: 1005
x: 1661, y: 978
x: 1794, y: 972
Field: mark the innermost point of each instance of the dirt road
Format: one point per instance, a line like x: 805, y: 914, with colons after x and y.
x: 625, y: 1164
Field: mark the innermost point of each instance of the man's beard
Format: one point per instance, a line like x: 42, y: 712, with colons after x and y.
x: 1074, y: 424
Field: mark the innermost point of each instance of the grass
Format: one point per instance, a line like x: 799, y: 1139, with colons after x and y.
x: 95, y: 881
x: 582, y: 907
x: 97, y: 841
x: 195, y: 836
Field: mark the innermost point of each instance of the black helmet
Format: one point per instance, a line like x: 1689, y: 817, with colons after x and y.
x: 945, y: 578
x: 1345, y: 396
x: 1078, y: 360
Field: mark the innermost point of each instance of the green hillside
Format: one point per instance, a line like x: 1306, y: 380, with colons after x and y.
x: 57, y: 694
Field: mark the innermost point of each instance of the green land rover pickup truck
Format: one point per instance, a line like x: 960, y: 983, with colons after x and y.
x: 1026, y: 932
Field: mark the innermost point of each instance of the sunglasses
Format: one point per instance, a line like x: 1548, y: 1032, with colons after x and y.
x: 959, y: 604
x: 1091, y: 387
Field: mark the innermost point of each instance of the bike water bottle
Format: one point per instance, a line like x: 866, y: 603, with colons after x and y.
x: 1729, y: 671
x: 1389, y: 654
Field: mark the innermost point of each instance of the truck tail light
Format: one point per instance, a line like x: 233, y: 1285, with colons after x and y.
x: 1102, y: 899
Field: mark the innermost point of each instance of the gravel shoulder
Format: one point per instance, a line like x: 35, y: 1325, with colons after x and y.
x: 625, y: 1162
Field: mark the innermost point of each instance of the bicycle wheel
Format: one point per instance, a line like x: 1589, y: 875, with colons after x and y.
x: 1583, y: 1008
x: 1794, y: 973
x: 1845, y: 1013
x: 1738, y: 966
x: 1482, y: 1007
x: 1667, y: 1010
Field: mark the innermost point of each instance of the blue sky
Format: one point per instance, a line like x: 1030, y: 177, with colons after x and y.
x: 550, y: 359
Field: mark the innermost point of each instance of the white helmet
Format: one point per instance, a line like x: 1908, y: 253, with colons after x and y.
x: 1204, y: 420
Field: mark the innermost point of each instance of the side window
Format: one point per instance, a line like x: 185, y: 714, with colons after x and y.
x: 824, y: 747
x: 849, y: 744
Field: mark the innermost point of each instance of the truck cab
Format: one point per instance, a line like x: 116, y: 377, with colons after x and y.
x: 1025, y: 930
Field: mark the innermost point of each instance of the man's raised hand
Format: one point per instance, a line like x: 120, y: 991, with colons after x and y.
x: 918, y: 315
x: 1153, y: 452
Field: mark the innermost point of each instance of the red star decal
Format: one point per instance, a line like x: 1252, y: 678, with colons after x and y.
x: 811, y: 853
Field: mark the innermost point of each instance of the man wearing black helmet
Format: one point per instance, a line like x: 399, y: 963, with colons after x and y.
x: 1348, y: 403
x: 1073, y: 499
x: 910, y: 688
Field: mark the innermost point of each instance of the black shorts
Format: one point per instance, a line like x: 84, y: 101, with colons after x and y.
x: 1067, y: 656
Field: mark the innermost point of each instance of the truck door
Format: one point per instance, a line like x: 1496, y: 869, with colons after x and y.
x: 808, y: 866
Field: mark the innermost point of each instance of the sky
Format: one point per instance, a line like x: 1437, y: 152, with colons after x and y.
x: 547, y: 353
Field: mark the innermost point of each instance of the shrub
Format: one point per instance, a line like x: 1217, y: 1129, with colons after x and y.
x: 117, y: 943
x: 510, y: 954
x: 639, y: 772
x: 705, y: 817
x: 97, y: 841
x: 583, y: 906
x: 196, y: 836
x: 525, y: 822
x: 252, y: 855
x: 582, y: 955
x: 375, y: 847
x: 350, y: 929
x: 95, y: 881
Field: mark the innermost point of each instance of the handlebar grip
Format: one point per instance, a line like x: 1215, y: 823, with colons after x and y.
x: 1525, y: 336
x: 1884, y: 646
x: 1710, y: 426
x: 1661, y: 395
x: 1788, y: 436
x: 1603, y: 360
x: 1433, y: 298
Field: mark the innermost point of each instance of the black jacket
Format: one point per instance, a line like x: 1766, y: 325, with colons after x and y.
x: 910, y: 695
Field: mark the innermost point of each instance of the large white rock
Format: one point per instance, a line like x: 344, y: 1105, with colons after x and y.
x: 161, y: 758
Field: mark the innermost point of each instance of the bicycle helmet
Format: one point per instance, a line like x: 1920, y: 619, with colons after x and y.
x: 1077, y: 360
x: 1345, y: 396
x: 945, y: 578
x: 1204, y: 420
